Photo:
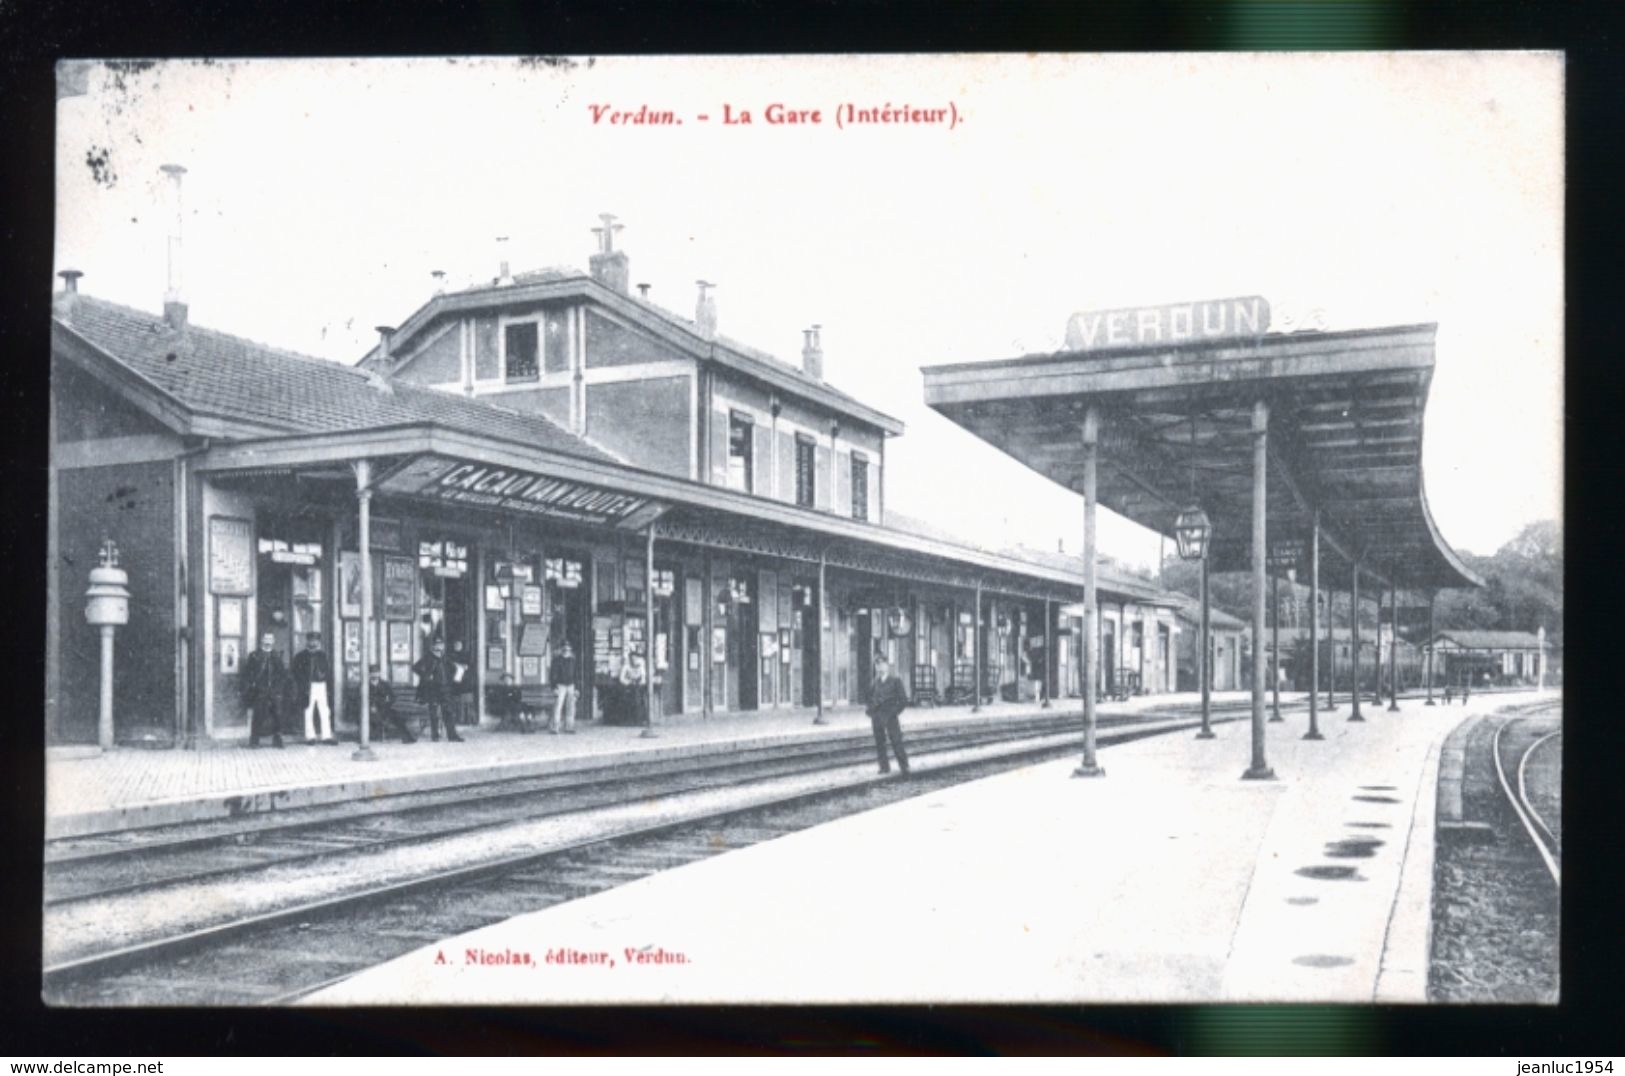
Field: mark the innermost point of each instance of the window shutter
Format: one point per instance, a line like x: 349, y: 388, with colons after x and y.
x: 843, y: 483
x: 787, y: 467
x: 719, y: 448
x: 821, y: 481
x: 761, y: 463
x: 874, y: 491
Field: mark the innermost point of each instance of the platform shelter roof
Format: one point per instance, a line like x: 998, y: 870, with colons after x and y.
x: 1344, y: 438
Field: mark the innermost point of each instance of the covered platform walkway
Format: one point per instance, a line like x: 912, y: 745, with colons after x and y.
x: 1259, y: 452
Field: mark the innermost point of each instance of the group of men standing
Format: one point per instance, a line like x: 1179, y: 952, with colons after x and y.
x: 270, y: 691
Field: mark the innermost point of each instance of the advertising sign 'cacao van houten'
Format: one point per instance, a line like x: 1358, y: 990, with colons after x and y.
x: 511, y: 489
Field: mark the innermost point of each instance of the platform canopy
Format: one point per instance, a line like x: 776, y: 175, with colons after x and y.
x: 1344, y: 437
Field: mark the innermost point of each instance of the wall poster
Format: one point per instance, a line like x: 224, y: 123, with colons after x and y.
x: 349, y: 584
x: 230, y: 652
x: 531, y: 602
x: 400, y: 641
x: 231, y: 556
x: 400, y: 587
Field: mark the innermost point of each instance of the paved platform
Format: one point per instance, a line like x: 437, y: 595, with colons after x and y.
x: 128, y: 788
x: 1170, y: 879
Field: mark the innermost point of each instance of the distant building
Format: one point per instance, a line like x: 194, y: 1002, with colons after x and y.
x: 1227, y: 648
x: 1503, y: 657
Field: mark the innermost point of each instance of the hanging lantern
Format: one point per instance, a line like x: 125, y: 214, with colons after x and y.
x: 897, y: 623
x: 1192, y: 529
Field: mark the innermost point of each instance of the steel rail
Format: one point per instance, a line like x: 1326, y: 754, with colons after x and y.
x: 111, y: 961
x: 1552, y: 867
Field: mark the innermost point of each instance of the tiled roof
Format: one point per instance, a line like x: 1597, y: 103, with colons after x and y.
x: 227, y: 376
x: 1491, y: 640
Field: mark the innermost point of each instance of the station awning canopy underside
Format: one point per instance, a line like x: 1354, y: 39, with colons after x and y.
x: 1344, y: 438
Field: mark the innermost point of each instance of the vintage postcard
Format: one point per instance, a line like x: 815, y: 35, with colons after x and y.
x: 562, y: 530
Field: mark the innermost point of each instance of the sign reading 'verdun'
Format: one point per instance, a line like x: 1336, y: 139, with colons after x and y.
x: 1209, y: 319
x: 486, y: 486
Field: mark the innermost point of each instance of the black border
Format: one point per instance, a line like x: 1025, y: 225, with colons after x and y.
x: 1585, y: 1024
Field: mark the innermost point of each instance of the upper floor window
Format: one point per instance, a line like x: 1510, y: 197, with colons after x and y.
x: 806, y: 471
x: 860, y: 487
x: 741, y: 435
x: 519, y: 351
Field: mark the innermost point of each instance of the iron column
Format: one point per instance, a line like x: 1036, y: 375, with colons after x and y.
x: 1091, y: 448
x: 1275, y: 646
x: 1431, y: 596
x: 1259, y: 770
x: 1049, y: 651
x: 1314, y: 630
x: 818, y: 624
x: 363, y: 496
x: 976, y: 652
x: 1393, y: 643
x: 649, y: 732
x: 1354, y: 641
x: 1204, y: 640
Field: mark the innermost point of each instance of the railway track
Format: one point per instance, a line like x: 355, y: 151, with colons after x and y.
x: 599, y: 833
x: 1533, y: 791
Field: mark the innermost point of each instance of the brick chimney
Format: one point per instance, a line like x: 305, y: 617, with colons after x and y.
x: 705, y: 309
x: 384, y: 333
x: 812, y: 354
x: 174, y: 307
x: 504, y: 277
x: 609, y: 266
x: 63, y: 302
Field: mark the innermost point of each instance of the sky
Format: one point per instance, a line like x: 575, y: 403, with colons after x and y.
x: 1350, y: 190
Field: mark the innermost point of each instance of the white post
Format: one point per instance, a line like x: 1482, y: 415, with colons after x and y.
x: 1090, y: 767
x: 104, y: 723
x: 1259, y: 770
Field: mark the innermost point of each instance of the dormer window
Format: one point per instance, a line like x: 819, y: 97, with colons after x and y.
x: 519, y: 349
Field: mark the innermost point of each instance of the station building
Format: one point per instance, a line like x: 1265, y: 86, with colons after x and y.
x: 546, y: 458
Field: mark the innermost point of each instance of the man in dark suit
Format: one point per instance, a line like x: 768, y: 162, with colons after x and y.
x: 313, y: 683
x: 886, y: 704
x: 263, y: 683
x: 436, y: 681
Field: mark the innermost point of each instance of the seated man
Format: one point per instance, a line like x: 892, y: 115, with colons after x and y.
x: 381, y: 701
x: 507, y: 702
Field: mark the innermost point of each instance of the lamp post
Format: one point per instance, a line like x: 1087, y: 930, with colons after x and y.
x: 1193, y: 533
x: 107, y: 608
x: 1283, y: 556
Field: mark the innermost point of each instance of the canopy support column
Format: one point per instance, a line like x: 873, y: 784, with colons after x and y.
x: 1204, y: 643
x: 1354, y: 642
x: 363, y: 496
x: 1049, y: 651
x: 1314, y: 629
x: 1432, y: 594
x: 1393, y: 644
x: 649, y: 657
x: 1275, y: 647
x: 1259, y: 770
x: 818, y: 624
x: 976, y: 652
x: 1091, y: 615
